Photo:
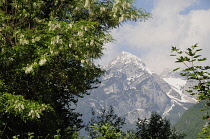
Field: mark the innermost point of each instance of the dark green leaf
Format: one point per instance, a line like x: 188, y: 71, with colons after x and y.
x: 176, y: 69
x: 198, y: 50
x: 174, y: 49
x: 203, y: 59
x: 196, y: 56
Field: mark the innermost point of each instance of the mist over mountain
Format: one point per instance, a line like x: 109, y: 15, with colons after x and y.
x: 135, y: 91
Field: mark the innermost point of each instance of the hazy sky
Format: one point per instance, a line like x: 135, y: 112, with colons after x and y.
x: 180, y: 23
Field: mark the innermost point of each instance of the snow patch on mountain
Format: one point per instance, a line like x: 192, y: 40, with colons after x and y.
x: 127, y: 58
x: 134, y: 91
x: 170, y: 109
x: 176, y: 83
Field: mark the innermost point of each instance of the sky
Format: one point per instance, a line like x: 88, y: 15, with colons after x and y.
x: 180, y: 23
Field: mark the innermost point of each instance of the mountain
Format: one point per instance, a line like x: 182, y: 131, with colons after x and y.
x: 191, y: 121
x: 135, y: 91
x: 181, y: 99
x: 169, y: 73
x: 179, y: 83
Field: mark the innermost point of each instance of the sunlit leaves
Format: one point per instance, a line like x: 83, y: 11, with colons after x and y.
x: 199, y: 73
x: 203, y: 59
x: 194, y: 70
x: 105, y: 131
x: 176, y: 69
x: 17, y: 105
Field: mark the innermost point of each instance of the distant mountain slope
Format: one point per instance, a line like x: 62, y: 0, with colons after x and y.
x: 134, y: 91
x: 191, y: 121
x: 180, y: 84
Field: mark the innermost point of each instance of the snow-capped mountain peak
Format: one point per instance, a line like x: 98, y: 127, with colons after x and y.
x: 128, y: 59
x: 134, y: 91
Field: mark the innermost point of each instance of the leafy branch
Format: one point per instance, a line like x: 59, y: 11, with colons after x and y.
x: 193, y: 71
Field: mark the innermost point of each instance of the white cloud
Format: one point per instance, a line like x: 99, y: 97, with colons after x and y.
x: 110, y: 52
x: 168, y: 27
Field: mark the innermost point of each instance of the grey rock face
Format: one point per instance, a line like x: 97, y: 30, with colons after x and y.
x: 133, y: 90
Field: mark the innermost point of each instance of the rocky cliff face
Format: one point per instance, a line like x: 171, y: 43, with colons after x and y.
x: 135, y: 91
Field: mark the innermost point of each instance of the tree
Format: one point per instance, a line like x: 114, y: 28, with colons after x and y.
x: 194, y: 71
x: 105, y: 131
x: 108, y: 125
x: 197, y: 72
x: 205, y: 132
x: 106, y: 118
x: 47, y: 53
x: 156, y: 128
x: 110, y: 132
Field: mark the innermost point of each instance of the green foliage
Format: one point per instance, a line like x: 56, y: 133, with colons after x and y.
x: 205, y: 132
x: 105, y: 131
x: 47, y: 53
x: 156, y: 128
x: 17, y: 105
x: 57, y: 136
x: 196, y: 72
x: 108, y: 125
x: 105, y: 117
x: 191, y: 121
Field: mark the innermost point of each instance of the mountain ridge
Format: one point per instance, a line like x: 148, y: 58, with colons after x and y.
x: 126, y: 58
x: 135, y: 91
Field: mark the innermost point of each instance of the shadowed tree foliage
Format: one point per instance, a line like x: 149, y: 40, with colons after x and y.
x: 103, y: 118
x: 105, y: 131
x: 156, y: 128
